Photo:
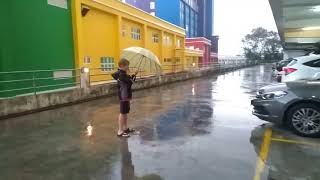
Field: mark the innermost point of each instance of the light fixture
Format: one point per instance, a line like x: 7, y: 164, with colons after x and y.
x: 316, y: 8
x: 89, y: 130
x: 85, y: 70
x: 311, y: 28
x: 84, y: 10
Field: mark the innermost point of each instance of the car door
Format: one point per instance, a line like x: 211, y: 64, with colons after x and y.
x: 313, y: 67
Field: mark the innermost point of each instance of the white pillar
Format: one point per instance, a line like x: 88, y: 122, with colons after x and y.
x: 85, y: 78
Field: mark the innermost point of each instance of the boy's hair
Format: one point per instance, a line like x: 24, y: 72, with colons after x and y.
x: 123, y: 62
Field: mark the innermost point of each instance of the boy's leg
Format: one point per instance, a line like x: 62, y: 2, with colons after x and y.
x: 120, y: 124
x: 125, y: 121
x: 121, y: 131
x: 124, y: 109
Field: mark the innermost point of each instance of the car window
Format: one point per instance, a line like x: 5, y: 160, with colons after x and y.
x: 314, y: 63
x: 293, y: 62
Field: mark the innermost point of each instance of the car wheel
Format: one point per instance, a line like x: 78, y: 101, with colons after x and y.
x: 304, y: 120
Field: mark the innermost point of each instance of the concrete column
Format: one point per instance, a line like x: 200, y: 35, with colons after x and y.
x: 161, y: 47
x: 145, y: 35
x: 174, y: 62
x: 78, y: 32
x: 183, y: 58
x: 119, y: 37
x: 85, y: 79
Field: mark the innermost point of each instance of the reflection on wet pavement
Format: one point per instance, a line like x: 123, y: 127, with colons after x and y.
x: 127, y: 168
x: 198, y: 129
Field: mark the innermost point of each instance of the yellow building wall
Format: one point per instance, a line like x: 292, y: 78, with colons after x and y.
x: 154, y: 47
x: 127, y: 40
x: 168, y: 47
x: 182, y: 45
x: 192, y: 62
x: 106, y: 30
x: 168, y: 56
x: 98, y: 41
x: 180, y: 56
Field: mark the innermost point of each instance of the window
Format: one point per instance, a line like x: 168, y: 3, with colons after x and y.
x: 178, y: 43
x: 196, y: 25
x: 182, y: 16
x: 153, y: 14
x: 293, y: 62
x: 155, y: 37
x: 167, y: 60
x: 187, y: 16
x: 107, y: 64
x: 167, y: 40
x: 314, y: 63
x: 135, y: 33
x: 87, y: 60
x: 152, y: 5
x: 192, y: 23
x: 123, y: 30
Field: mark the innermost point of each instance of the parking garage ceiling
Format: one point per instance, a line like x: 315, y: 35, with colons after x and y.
x: 298, y: 22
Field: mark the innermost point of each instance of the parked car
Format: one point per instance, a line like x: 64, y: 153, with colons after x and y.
x: 283, y: 63
x: 278, y: 69
x: 279, y: 75
x: 302, y: 68
x: 294, y: 104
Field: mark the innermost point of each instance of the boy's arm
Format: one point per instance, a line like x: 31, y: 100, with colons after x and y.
x: 127, y: 78
x: 133, y: 77
x: 115, y: 75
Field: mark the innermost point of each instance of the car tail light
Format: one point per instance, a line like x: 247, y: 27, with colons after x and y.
x: 289, y: 70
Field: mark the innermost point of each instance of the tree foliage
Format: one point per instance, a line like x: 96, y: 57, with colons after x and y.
x: 262, y: 45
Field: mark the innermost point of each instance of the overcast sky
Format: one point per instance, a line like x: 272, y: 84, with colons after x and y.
x: 235, y: 18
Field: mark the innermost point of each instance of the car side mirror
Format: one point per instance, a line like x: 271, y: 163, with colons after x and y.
x: 316, y: 76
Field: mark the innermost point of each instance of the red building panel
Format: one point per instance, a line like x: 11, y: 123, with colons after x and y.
x: 202, y: 44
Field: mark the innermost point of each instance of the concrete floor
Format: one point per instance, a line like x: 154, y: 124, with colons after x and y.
x: 199, y: 129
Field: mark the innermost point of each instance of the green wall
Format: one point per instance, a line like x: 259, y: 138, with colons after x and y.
x: 34, y: 36
x: 5, y: 43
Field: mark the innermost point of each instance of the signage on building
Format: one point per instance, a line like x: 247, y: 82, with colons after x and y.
x: 59, y: 3
x: 62, y: 74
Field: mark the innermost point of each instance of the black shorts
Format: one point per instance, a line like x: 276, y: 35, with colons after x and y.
x: 124, y: 107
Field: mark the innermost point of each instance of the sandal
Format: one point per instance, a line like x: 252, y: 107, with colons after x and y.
x: 123, y: 134
x: 129, y: 131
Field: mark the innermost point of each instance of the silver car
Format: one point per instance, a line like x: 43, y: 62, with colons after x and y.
x: 294, y: 104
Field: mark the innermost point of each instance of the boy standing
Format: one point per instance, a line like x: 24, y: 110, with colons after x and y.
x: 125, y: 82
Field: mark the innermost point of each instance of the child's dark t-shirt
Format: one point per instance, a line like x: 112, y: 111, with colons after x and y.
x: 124, y: 84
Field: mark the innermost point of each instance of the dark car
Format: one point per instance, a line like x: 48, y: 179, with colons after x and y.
x: 282, y: 64
x: 294, y: 104
x: 278, y: 68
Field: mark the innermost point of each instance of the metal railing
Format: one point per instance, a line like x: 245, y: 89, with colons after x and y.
x: 102, y: 75
x: 19, y: 83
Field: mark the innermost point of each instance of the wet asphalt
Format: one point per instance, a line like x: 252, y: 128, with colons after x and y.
x: 194, y: 130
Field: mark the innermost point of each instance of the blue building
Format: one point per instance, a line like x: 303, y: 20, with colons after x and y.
x: 196, y: 16
x: 145, y: 5
x: 206, y: 18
